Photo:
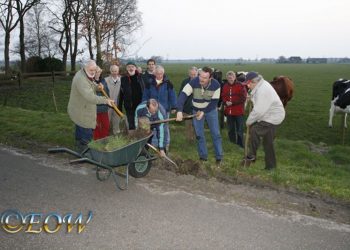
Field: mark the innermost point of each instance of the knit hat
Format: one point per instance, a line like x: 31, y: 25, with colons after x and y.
x: 251, y: 75
x: 131, y: 63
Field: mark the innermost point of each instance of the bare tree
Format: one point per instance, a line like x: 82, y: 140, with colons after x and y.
x: 128, y: 19
x: 107, y: 25
x: 75, y: 8
x: 61, y: 25
x: 9, y: 21
x: 94, y: 22
x: 22, y: 9
x: 87, y: 28
x: 97, y: 32
x: 39, y: 41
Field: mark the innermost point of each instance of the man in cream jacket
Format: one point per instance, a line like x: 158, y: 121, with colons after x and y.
x: 267, y: 113
x: 82, y: 104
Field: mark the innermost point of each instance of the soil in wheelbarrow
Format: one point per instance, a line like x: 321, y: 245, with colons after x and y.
x: 118, y: 141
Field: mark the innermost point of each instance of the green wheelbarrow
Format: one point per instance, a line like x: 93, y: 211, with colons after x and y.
x: 134, y: 157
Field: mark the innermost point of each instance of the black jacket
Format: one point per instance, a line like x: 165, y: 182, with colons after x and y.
x: 131, y: 91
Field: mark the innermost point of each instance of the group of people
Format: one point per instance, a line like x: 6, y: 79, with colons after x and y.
x: 151, y: 94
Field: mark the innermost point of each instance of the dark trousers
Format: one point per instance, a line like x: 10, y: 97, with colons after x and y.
x: 82, y: 137
x: 235, y: 129
x: 267, y: 131
x: 131, y: 119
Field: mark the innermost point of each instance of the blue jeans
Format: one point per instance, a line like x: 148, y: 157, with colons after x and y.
x: 213, y: 123
x: 155, y: 140
x: 167, y: 130
x: 82, y: 137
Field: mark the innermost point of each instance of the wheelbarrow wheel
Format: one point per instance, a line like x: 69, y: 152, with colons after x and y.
x: 140, y: 169
x: 102, y: 174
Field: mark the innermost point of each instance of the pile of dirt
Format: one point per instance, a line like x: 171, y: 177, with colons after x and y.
x: 184, y: 167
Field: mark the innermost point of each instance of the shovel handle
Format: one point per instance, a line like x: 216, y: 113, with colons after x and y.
x: 164, y: 157
x: 171, y: 119
x: 113, y: 105
x: 249, y: 106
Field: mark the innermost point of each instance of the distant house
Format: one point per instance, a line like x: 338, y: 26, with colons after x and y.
x: 295, y: 59
x: 316, y: 60
x: 344, y: 60
x: 267, y: 60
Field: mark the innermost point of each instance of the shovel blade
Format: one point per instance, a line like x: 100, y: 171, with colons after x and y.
x: 123, y: 126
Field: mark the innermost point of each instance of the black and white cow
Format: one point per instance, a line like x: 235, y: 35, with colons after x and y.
x: 340, y: 100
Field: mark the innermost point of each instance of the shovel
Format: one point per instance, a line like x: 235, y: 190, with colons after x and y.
x: 173, y: 119
x: 145, y: 120
x: 145, y: 124
x: 246, y: 162
x: 163, y: 157
x: 123, y: 123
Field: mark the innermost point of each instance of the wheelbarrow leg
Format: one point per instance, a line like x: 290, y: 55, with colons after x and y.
x: 126, y: 176
x: 99, y: 164
x: 114, y: 174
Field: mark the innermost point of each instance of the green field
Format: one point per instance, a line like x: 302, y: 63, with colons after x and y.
x: 308, y: 112
x: 310, y: 155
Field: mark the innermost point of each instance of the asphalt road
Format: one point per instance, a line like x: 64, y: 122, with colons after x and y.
x: 149, y: 215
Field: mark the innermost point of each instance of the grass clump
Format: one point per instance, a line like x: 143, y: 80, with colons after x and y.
x: 110, y: 143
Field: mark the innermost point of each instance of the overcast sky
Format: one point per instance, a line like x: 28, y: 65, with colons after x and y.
x: 184, y: 29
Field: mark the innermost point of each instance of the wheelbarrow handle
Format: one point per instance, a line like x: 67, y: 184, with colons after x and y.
x: 113, y: 105
x: 172, y: 119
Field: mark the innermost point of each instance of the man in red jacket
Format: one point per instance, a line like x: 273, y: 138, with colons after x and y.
x: 233, y: 97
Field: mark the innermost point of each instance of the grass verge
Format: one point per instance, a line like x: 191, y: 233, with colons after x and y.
x: 308, y: 167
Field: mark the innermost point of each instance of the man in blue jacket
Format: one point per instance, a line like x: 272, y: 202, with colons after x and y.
x: 162, y: 90
x: 154, y: 112
x: 206, y: 94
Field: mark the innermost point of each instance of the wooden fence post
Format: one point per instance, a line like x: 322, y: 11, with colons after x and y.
x: 54, y: 100
x: 19, y: 75
x: 5, y: 100
x: 53, y: 90
x: 53, y: 78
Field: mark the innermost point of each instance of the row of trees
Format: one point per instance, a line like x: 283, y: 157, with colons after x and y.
x: 56, y: 28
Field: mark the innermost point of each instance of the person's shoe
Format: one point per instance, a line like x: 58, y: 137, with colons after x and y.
x: 247, y: 161
x: 218, y: 163
x: 251, y: 158
x: 203, y: 159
